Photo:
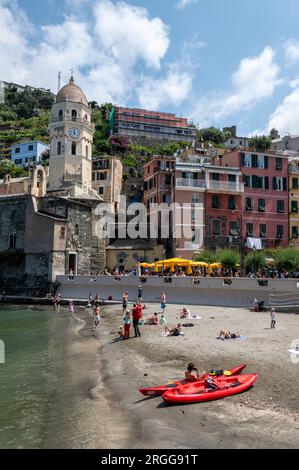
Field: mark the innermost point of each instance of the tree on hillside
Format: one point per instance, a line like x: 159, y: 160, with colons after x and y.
x: 212, y: 134
x: 260, y: 143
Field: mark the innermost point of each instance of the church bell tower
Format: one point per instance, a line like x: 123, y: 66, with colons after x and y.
x: 71, y: 136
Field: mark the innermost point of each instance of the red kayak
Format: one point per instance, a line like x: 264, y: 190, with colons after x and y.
x: 210, y: 389
x: 160, y: 389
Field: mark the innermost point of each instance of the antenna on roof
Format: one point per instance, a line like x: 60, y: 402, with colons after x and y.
x: 59, y: 82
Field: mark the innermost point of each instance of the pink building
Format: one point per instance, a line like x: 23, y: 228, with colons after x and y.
x: 265, y: 197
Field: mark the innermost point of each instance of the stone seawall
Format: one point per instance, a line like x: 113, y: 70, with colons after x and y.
x: 226, y: 292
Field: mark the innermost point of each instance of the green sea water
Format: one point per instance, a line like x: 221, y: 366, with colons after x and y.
x: 37, y: 389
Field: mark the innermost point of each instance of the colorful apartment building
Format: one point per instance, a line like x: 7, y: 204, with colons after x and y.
x: 27, y: 153
x: 294, y: 202
x: 265, y: 197
x: 135, y: 122
x: 223, y: 207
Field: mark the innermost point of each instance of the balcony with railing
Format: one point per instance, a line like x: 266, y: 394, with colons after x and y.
x: 227, y: 186
x: 183, y: 183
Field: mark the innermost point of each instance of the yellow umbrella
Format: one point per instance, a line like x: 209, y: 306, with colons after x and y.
x: 200, y: 264
x: 156, y: 269
x: 189, y: 269
x: 215, y: 265
x: 172, y: 269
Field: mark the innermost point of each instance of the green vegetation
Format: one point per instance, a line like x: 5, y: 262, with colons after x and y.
x: 260, y: 143
x: 229, y: 258
x: 207, y: 256
x: 256, y: 260
x: 212, y: 134
x: 287, y: 259
x: 8, y: 167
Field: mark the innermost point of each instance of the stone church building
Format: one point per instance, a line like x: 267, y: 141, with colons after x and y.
x: 47, y: 226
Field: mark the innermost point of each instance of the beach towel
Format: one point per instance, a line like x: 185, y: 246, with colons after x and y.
x: 187, y: 324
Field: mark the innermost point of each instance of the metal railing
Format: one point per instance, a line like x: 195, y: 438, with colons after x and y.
x: 226, y: 186
x: 185, y: 182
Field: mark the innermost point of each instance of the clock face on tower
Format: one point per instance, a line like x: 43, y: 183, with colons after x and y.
x: 74, y: 133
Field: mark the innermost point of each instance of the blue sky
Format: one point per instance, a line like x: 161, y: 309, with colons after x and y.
x: 218, y: 62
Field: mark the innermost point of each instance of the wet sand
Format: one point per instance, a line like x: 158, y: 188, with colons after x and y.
x: 267, y: 416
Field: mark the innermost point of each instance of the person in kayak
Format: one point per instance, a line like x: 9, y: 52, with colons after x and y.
x: 188, y: 374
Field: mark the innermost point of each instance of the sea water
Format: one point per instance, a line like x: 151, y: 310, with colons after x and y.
x: 42, y: 382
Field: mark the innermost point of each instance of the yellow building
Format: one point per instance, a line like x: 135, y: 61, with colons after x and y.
x: 294, y: 202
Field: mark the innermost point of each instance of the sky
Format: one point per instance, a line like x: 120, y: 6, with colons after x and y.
x: 216, y: 62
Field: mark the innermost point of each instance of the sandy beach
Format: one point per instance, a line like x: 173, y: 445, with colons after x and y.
x: 267, y: 416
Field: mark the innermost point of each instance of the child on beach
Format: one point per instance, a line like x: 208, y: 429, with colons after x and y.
x: 96, y: 316
x: 272, y: 316
x: 188, y: 374
x: 163, y: 322
x: 127, y: 323
x: 121, y: 332
x: 71, y: 307
x: 163, y: 301
x: 125, y: 301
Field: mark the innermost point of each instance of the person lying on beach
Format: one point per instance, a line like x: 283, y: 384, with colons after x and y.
x: 185, y: 313
x: 176, y: 331
x: 153, y: 320
x: 224, y: 334
x: 188, y: 374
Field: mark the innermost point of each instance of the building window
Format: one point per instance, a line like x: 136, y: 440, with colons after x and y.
x: 74, y: 148
x: 215, y: 202
x: 294, y: 183
x: 232, y: 178
x: 60, y: 114
x: 17, y: 150
x: 246, y: 179
x: 76, y: 229
x: 233, y: 228
x: 294, y: 231
x: 248, y: 204
x: 294, y: 206
x: 103, y: 175
x: 215, y: 176
x: 232, y: 203
x: 163, y: 197
x: 74, y: 115
x: 254, y: 161
x: 168, y: 179
x: 216, y: 227
x: 30, y: 148
x: 93, y: 176
x: 263, y: 230
x: 12, y: 241
x: 101, y: 190
x: 280, y: 206
x: 278, y: 163
x: 86, y: 151
x: 249, y: 230
x: 279, y: 184
x: 58, y: 148
x: 195, y: 198
x: 62, y: 232
x: 262, y: 205
x: 279, y: 231
x: 18, y: 161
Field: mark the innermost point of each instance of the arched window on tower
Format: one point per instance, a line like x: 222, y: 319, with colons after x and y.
x: 58, y: 148
x: 74, y: 148
x: 74, y: 115
x: 76, y: 229
x: 12, y: 241
x: 86, y: 151
x: 60, y: 115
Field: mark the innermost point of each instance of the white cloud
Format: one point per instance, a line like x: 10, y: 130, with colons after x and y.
x: 184, y: 3
x: 291, y: 50
x: 173, y: 88
x: 253, y: 81
x: 113, y: 52
x: 128, y: 34
x: 285, y: 118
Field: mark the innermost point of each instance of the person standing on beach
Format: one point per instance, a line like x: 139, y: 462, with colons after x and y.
x: 127, y: 324
x: 136, y: 315
x: 57, y: 301
x: 96, y: 316
x: 125, y: 302
x: 139, y: 293
x: 163, y: 322
x: 71, y: 307
x: 163, y: 301
x: 273, y: 317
